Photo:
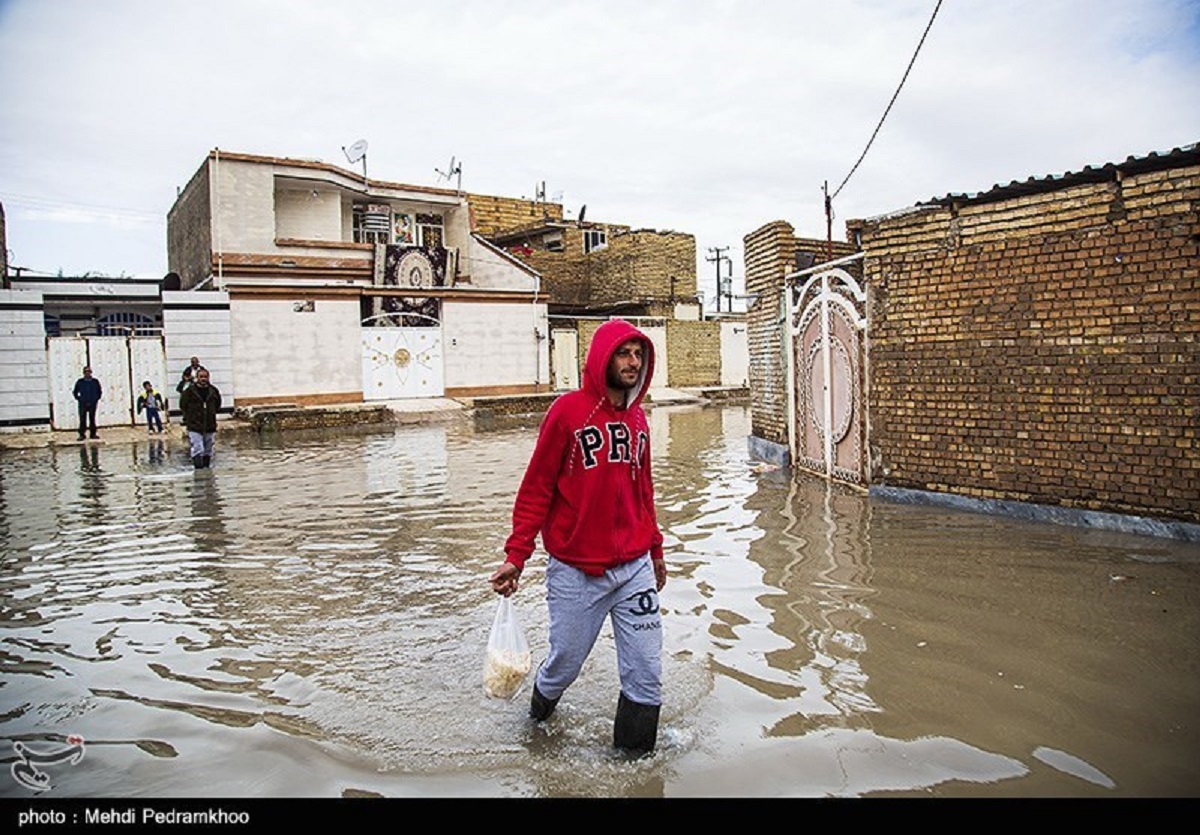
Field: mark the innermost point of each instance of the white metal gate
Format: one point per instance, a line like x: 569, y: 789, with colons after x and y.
x: 400, y: 363
x: 826, y: 323
x: 120, y: 363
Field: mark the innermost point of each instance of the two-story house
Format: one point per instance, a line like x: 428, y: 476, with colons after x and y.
x: 335, y: 288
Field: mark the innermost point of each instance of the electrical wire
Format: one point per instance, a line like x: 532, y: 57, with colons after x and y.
x: 50, y: 204
x: 875, y: 133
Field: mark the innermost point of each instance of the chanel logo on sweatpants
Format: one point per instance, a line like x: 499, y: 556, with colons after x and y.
x: 645, y: 603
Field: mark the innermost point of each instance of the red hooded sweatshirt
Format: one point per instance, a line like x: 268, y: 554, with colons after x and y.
x: 588, y: 489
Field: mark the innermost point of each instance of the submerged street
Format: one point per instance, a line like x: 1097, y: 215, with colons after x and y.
x: 308, y: 618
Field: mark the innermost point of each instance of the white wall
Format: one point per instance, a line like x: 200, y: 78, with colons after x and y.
x: 495, y: 344
x: 243, y: 196
x: 281, y: 352
x: 308, y: 214
x: 492, y: 270
x: 24, y: 392
x: 197, y: 324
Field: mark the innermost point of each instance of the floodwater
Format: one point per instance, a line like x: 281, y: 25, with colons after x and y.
x: 309, y: 619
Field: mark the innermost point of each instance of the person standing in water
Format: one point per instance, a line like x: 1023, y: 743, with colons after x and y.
x: 199, y: 404
x: 588, y: 492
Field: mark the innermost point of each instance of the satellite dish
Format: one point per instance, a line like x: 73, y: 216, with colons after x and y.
x: 356, y: 151
x: 582, y: 212
x: 454, y: 169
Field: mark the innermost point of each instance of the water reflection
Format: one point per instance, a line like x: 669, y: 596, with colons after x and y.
x: 308, y: 618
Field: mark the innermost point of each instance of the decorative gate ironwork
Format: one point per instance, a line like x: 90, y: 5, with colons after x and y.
x: 826, y: 326
x: 402, y: 362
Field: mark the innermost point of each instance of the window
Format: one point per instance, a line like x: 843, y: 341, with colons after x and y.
x: 125, y: 324
x: 431, y: 233
x: 554, y: 243
x: 372, y: 223
x: 594, y: 239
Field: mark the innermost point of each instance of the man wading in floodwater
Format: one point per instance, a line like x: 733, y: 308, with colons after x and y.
x: 199, y: 404
x: 588, y: 492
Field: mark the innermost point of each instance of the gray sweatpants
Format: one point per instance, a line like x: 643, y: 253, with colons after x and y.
x: 201, y: 442
x: 579, y: 604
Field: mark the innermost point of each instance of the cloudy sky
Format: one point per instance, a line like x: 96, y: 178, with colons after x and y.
x: 705, y: 116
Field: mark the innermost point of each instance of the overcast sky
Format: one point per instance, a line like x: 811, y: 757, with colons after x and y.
x: 705, y: 117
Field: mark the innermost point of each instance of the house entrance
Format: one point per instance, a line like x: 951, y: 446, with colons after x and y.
x: 404, y: 360
x: 827, y: 321
x: 564, y: 351
x: 120, y: 363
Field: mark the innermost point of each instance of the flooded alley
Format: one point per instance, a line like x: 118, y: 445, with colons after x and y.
x: 309, y: 617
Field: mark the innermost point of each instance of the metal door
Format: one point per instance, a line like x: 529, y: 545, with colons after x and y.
x: 148, y: 361
x: 116, y: 361
x: 564, y: 344
x: 400, y: 363
x: 657, y: 334
x: 65, y: 358
x: 827, y: 322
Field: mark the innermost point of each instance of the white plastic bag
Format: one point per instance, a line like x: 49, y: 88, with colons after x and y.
x: 508, y: 660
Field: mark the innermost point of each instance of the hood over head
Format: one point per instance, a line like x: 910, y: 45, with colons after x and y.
x: 608, y: 337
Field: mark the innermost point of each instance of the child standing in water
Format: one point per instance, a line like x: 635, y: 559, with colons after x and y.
x: 152, y: 402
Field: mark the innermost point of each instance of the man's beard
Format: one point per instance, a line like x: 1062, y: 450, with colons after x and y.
x: 616, y: 381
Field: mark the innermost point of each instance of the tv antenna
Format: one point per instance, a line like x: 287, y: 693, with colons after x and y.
x: 454, y: 169
x: 356, y: 152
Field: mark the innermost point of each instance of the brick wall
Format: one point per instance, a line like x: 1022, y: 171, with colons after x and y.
x: 770, y: 253
x: 189, y: 232
x: 643, y: 264
x: 637, y: 265
x: 1042, y: 348
x: 694, y: 349
x: 491, y: 215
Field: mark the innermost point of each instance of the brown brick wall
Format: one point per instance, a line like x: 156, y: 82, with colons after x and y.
x: 189, y: 232
x: 1043, y: 348
x: 635, y: 266
x: 491, y: 215
x: 770, y: 254
x: 694, y: 349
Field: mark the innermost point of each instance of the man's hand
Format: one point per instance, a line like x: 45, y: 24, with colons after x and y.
x: 660, y: 573
x: 504, y: 579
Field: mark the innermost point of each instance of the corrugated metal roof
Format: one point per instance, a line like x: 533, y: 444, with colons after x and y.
x: 1154, y: 161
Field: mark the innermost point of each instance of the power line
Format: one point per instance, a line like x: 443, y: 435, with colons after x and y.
x: 52, y: 204
x: 893, y: 101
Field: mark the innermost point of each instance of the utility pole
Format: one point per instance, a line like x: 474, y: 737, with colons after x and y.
x: 718, y: 257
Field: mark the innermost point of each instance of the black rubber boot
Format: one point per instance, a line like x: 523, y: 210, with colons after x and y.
x: 635, y: 730
x: 540, y: 707
x: 207, y: 462
x: 198, y: 461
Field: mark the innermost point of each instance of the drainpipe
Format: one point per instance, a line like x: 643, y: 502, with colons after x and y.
x: 215, y: 208
x: 538, y: 336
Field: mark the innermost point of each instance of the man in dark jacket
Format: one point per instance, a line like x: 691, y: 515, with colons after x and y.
x: 199, y: 404
x: 87, y: 394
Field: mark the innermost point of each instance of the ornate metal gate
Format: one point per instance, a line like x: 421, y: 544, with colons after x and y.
x: 826, y: 325
x: 402, y: 362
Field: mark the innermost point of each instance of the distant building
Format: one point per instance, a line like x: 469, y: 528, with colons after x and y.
x: 342, y: 289
x: 592, y: 271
